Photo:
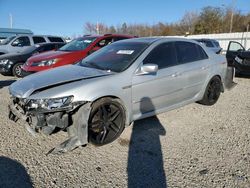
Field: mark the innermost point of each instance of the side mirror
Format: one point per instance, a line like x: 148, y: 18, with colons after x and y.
x: 147, y: 69
x: 16, y: 44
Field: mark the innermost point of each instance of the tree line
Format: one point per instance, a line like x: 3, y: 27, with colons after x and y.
x: 209, y: 20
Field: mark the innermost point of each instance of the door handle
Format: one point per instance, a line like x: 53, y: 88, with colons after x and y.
x: 176, y: 74
x: 204, y: 67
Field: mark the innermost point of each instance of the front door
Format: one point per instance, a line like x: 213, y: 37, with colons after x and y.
x: 233, y: 49
x: 151, y: 92
x: 19, y: 44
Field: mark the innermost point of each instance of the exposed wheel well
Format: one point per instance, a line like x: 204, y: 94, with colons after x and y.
x: 108, y: 96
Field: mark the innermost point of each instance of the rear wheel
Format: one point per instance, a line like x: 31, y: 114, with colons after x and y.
x: 212, y: 92
x: 106, y: 121
x: 17, y: 70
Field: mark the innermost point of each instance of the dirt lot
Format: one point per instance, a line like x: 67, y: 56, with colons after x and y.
x: 194, y: 146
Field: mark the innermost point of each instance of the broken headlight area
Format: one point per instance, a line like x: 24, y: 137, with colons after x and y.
x: 54, y: 104
x: 45, y: 115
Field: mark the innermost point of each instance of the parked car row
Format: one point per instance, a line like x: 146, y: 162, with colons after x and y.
x: 71, y: 53
x: 125, y: 81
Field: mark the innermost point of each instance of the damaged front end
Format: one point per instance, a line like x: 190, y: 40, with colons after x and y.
x: 49, y: 115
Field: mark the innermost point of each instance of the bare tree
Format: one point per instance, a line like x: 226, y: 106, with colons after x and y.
x: 89, y: 28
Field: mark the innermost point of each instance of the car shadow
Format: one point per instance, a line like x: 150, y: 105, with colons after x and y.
x: 5, y: 83
x: 13, y: 174
x: 145, y: 161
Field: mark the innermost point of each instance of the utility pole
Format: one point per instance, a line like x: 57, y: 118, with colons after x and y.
x: 232, y: 15
x: 231, y: 21
x: 11, y: 21
x: 248, y: 24
x: 97, y: 28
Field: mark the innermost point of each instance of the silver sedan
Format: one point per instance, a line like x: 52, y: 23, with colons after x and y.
x: 97, y: 98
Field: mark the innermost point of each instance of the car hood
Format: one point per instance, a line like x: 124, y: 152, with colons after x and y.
x: 51, y: 78
x: 48, y: 55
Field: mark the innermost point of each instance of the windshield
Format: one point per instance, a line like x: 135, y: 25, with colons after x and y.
x: 78, y: 44
x: 7, y: 41
x: 115, y: 57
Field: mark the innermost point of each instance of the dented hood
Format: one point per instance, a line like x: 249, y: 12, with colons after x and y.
x: 25, y: 87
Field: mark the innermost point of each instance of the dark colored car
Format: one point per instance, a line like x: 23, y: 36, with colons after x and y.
x: 238, y: 57
x: 71, y: 53
x: 10, y: 64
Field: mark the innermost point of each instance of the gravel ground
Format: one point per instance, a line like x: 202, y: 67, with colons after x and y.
x: 194, y: 146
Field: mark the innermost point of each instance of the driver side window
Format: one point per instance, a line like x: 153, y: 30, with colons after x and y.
x: 163, y: 55
x: 21, y: 41
x: 104, y: 42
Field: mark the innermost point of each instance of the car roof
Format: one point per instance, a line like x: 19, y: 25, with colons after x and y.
x: 31, y: 35
x: 107, y: 35
x: 204, y: 39
x: 150, y: 40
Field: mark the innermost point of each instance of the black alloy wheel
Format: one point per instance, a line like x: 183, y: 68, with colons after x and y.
x: 212, y: 92
x: 106, y: 121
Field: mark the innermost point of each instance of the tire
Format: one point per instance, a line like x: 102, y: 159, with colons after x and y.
x: 17, y: 70
x: 106, y: 121
x: 212, y: 92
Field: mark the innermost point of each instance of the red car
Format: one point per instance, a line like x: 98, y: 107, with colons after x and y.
x: 70, y: 53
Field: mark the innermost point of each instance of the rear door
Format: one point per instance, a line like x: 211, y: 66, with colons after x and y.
x: 233, y: 49
x: 195, y: 66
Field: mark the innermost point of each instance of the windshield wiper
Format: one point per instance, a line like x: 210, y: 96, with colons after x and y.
x: 94, y: 65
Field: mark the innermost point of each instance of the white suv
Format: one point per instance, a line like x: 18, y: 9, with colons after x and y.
x: 18, y: 43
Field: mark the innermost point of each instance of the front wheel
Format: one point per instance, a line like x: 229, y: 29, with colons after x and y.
x: 106, y: 121
x: 17, y: 70
x: 212, y: 92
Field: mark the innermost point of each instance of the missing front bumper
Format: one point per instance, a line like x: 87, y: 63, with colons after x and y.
x: 74, y: 121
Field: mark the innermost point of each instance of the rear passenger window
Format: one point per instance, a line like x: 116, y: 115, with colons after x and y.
x: 187, y: 52
x: 202, y: 53
x: 162, y: 55
x: 38, y: 40
x: 55, y: 39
